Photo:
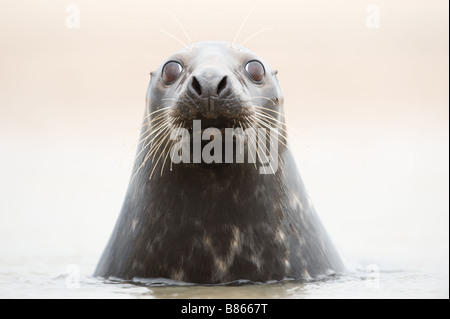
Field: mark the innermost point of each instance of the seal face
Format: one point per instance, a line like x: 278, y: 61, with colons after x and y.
x: 209, y: 223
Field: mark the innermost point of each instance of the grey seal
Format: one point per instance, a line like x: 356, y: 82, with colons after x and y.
x: 218, y: 223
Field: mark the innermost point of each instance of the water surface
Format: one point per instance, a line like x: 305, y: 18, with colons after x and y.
x: 55, y: 277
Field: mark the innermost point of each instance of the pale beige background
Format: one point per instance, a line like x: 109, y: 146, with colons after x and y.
x: 371, y: 106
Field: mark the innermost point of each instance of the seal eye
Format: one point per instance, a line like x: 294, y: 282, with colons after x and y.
x: 171, y: 72
x: 255, y: 71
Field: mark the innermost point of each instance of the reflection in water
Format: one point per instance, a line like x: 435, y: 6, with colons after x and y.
x: 166, y: 288
x: 278, y: 290
x: 243, y: 289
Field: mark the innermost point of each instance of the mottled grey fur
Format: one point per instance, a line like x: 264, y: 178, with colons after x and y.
x: 222, y: 223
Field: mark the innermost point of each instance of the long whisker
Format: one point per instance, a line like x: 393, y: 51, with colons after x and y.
x: 165, y: 109
x: 254, y: 35
x: 162, y: 119
x: 160, y: 130
x: 155, y: 147
x: 147, y: 156
x: 242, y: 25
x: 264, y: 97
x: 268, y: 126
x: 180, y: 25
x: 280, y: 124
x: 140, y: 139
x: 270, y: 110
x: 174, y: 37
x: 160, y: 155
x: 157, y: 121
x: 159, y: 118
x: 152, y: 130
x: 182, y: 125
x: 244, y: 127
x: 265, y: 154
x: 269, y: 116
x: 271, y: 133
x: 271, y: 120
x: 168, y: 152
x: 157, y: 111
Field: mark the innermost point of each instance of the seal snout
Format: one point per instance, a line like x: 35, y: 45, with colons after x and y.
x: 209, y: 82
x: 208, y: 87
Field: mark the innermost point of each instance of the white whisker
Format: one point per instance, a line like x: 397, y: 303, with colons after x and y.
x: 266, y: 108
x: 244, y: 127
x: 264, y: 152
x: 168, y: 152
x: 161, y: 154
x: 269, y: 127
x: 264, y: 97
x: 159, y: 131
x: 180, y: 25
x: 242, y: 25
x: 254, y: 35
x: 174, y: 37
x: 271, y: 133
x: 143, y: 148
x: 271, y: 120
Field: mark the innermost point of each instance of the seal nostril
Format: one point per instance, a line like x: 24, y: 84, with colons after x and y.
x: 222, y: 85
x: 196, y: 86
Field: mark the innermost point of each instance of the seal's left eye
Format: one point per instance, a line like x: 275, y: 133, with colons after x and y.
x: 171, y: 72
x: 255, y: 71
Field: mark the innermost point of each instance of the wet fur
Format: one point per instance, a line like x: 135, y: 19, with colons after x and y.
x: 218, y: 224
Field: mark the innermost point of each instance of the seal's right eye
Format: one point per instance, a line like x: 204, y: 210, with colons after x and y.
x: 171, y: 71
